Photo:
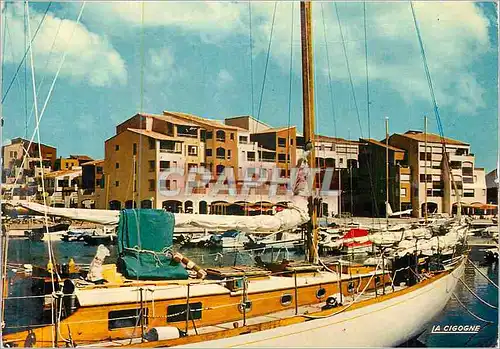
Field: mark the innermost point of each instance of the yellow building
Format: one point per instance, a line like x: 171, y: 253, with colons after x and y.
x: 145, y: 148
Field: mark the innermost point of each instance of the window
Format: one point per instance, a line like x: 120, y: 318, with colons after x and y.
x: 281, y: 157
x: 98, y: 170
x: 220, y: 136
x: 286, y: 299
x: 11, y: 154
x: 221, y: 153
x: 437, y: 193
x: 192, y: 150
x: 152, y: 166
x: 403, y: 192
x: 243, y: 139
x: 437, y: 185
x: 429, y: 156
x: 151, y: 185
x: 251, y: 156
x: 232, y: 136
x: 177, y: 313
x: 152, y: 143
x: 164, y: 165
x: 117, y: 165
x: 282, y: 142
x: 320, y: 293
x: 422, y: 178
x: 456, y: 165
x: 134, y: 149
x: 469, y: 193
x: 467, y: 171
x: 341, y: 161
x: 208, y: 152
x: 126, y: 318
x: 117, y: 183
x: 291, y: 141
x: 468, y: 180
x: 209, y: 134
x: 229, y: 153
x: 117, y: 147
x: 405, y: 177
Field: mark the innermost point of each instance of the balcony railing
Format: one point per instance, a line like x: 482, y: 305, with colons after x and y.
x: 268, y: 160
x: 191, y: 135
x: 171, y: 151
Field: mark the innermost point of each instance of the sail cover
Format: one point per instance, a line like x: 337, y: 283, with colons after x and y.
x: 144, y: 239
x: 290, y: 218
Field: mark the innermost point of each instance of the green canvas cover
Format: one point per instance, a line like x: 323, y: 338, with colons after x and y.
x: 143, y: 237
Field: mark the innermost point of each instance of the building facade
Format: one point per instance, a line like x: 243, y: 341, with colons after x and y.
x: 430, y: 174
x: 14, y: 154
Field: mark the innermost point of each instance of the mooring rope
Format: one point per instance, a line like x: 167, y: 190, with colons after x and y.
x: 470, y: 312
x: 480, y: 272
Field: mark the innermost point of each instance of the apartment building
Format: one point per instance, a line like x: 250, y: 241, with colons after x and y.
x: 19, y: 148
x: 91, y: 193
x: 368, y: 184
x: 220, y: 141
x: 61, y: 187
x: 144, y: 150
x: 429, y: 170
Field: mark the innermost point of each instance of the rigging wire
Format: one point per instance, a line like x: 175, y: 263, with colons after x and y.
x: 45, y: 75
x: 355, y: 101
x: 267, y: 61
x: 25, y: 79
x: 290, y: 93
x: 25, y: 54
x: 348, y: 69
x: 262, y: 94
x: 330, y: 87
x: 368, y: 100
x: 252, y: 107
x: 435, y: 106
x: 367, y: 75
x: 51, y: 89
x: 46, y: 222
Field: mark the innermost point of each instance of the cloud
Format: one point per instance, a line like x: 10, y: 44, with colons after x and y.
x: 160, y: 66
x: 212, y: 20
x: 90, y: 57
x: 455, y: 35
x: 224, y: 78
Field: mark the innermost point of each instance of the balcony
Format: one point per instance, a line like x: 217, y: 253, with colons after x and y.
x: 170, y: 150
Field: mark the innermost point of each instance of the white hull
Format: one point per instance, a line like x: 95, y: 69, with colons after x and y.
x: 385, y: 324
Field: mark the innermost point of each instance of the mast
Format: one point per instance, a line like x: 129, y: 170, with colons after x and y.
x: 425, y: 168
x: 387, y: 170
x: 308, y: 119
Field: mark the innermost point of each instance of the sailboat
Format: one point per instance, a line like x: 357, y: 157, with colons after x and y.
x: 156, y: 297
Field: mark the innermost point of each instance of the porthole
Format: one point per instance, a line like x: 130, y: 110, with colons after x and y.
x: 247, y: 305
x: 286, y: 299
x: 320, y: 293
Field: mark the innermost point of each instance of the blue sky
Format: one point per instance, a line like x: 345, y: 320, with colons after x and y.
x: 197, y: 59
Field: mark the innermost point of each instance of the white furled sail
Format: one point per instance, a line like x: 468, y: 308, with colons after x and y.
x: 290, y: 218
x: 105, y: 217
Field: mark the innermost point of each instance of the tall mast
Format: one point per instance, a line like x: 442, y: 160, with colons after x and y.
x: 387, y: 170
x: 425, y: 168
x: 308, y: 121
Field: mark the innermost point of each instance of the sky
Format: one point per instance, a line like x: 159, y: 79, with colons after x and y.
x: 211, y: 60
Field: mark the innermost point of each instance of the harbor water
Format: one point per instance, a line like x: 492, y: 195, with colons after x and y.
x: 19, y: 311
